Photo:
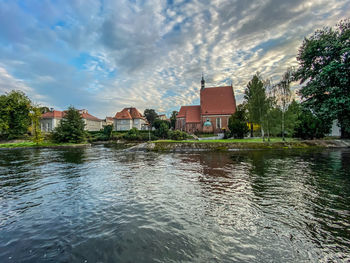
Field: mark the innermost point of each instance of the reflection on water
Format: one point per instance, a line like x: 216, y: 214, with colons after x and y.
x: 102, y: 204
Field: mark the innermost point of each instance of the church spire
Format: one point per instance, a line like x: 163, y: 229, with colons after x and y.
x: 202, y: 82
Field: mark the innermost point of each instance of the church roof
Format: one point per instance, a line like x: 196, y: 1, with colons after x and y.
x: 218, y: 101
x: 191, y: 113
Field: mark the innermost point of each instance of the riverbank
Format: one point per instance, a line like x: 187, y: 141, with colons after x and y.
x: 233, y: 145
x: 29, y: 144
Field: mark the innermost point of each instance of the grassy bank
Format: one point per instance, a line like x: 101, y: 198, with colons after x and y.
x: 249, y: 144
x: 40, y: 145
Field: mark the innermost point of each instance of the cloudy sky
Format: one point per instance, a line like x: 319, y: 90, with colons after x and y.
x: 104, y: 55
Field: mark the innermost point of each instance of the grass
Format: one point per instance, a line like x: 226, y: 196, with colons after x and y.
x: 247, y: 140
x: 32, y: 144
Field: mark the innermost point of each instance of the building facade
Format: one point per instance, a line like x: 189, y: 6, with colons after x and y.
x: 217, y: 104
x: 50, y: 120
x: 129, y: 118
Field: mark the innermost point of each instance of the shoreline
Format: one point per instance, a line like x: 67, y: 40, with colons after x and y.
x: 184, y: 146
x: 30, y: 145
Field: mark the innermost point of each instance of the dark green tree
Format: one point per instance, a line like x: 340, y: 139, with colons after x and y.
x: 35, y: 116
x: 309, y: 126
x: 237, y: 123
x: 163, y: 130
x: 151, y: 115
x: 324, y: 69
x: 173, y: 119
x: 107, y: 131
x: 71, y: 128
x: 158, y: 122
x: 14, y: 114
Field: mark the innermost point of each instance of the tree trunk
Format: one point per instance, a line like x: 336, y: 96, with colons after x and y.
x: 251, y: 130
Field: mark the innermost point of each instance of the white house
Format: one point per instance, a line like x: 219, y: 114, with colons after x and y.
x: 50, y: 120
x: 129, y: 118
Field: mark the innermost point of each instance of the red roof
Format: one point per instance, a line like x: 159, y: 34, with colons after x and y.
x: 191, y: 113
x: 88, y: 116
x: 128, y: 114
x: 53, y: 114
x: 60, y: 114
x: 218, y: 101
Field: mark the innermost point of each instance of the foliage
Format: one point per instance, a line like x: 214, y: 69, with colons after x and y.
x: 173, y: 119
x: 310, y: 126
x: 177, y: 135
x: 324, y: 66
x: 162, y: 130
x: 157, y: 123
x: 150, y: 115
x: 14, y: 114
x: 35, y: 116
x: 132, y: 135
x: 283, y: 96
x: 71, y: 128
x: 237, y: 123
x: 256, y: 99
x: 107, y: 131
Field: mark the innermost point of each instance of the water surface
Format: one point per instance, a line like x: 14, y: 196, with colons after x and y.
x: 102, y: 204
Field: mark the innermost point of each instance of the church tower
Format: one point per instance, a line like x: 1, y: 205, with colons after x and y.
x: 202, y: 83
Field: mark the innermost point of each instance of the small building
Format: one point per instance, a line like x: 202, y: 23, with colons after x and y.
x: 129, y: 118
x: 162, y: 117
x: 50, y: 120
x: 217, y: 104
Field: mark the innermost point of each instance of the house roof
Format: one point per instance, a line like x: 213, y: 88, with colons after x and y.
x: 60, y: 114
x: 191, y: 113
x: 53, y: 114
x: 88, y: 116
x: 128, y: 114
x: 218, y: 101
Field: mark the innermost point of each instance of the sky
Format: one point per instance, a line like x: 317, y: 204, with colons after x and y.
x: 104, y: 55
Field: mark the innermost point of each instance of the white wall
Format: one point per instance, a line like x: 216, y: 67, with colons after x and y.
x: 91, y: 125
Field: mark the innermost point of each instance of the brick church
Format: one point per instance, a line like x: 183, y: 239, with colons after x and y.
x: 217, y: 104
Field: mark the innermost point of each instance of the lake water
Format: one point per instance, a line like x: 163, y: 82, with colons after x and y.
x: 102, y: 204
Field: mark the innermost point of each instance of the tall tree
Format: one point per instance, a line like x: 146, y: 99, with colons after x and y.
x: 150, y: 115
x: 71, y: 127
x: 173, y: 119
x: 237, y: 123
x: 256, y: 99
x: 14, y: 114
x: 324, y: 68
x: 283, y: 96
x: 35, y: 116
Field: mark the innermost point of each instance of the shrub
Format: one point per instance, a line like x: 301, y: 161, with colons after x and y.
x: 177, y: 135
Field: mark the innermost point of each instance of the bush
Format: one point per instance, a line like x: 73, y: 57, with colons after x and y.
x: 177, y: 135
x: 310, y: 127
x: 238, y: 124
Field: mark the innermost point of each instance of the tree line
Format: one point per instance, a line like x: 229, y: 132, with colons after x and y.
x: 324, y: 76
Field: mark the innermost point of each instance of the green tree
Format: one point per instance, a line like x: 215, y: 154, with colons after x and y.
x: 150, y: 115
x: 324, y: 66
x: 71, y: 128
x: 107, y: 131
x: 283, y: 96
x: 35, y: 116
x: 14, y: 114
x: 163, y: 130
x: 237, y: 123
x: 310, y: 126
x: 173, y: 119
x: 256, y: 99
x: 158, y: 122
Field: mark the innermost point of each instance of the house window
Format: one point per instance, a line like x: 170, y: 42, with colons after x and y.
x: 218, y: 123
x: 47, y: 127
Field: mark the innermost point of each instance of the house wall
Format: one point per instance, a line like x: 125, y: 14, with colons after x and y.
x: 335, y: 130
x: 122, y: 125
x: 91, y: 125
x: 138, y: 123
x: 48, y: 125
